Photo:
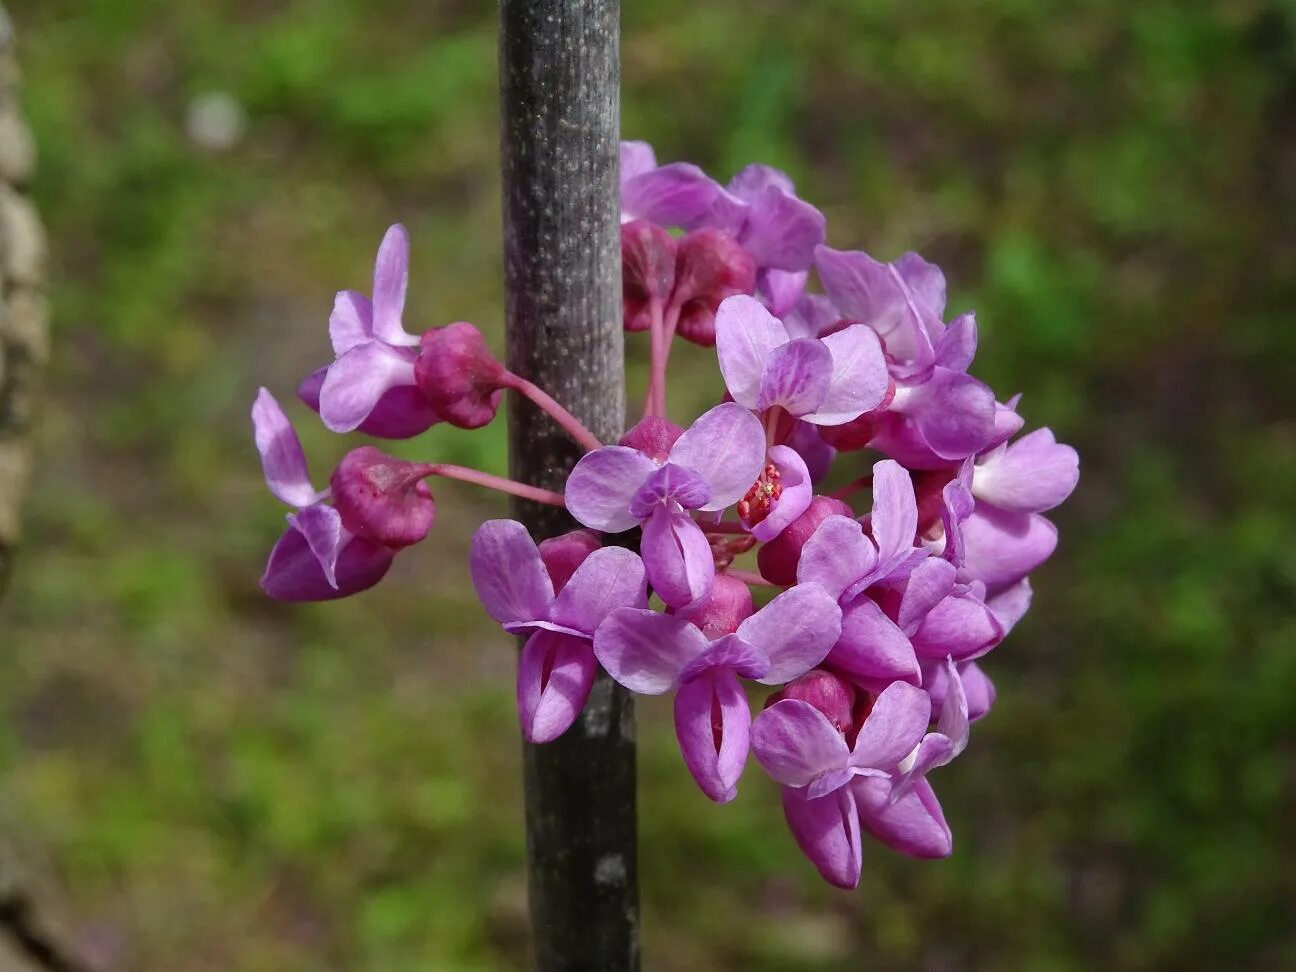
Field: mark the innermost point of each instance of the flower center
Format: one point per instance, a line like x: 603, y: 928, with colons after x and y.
x: 760, y: 499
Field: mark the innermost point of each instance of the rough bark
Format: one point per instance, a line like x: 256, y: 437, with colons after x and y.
x: 559, y: 87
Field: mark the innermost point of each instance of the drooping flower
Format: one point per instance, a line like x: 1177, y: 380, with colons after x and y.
x: 557, y: 666
x: 708, y: 468
x: 317, y: 558
x: 652, y: 653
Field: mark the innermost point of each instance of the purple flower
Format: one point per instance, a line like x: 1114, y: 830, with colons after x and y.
x: 375, y: 356
x: 708, y: 468
x: 317, y: 558
x: 679, y: 194
x: 824, y: 381
x: 1031, y: 475
x: 557, y: 666
x: 802, y: 750
x: 652, y: 653
x: 778, y: 229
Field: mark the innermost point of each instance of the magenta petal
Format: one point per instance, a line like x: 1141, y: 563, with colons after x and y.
x: 961, y: 625
x: 872, y: 647
x: 954, y: 412
x: 795, y: 743
x: 979, y: 689
x: 282, y: 458
x: 400, y: 413
x: 953, y: 721
x: 1010, y: 606
x: 746, y: 335
x: 795, y: 630
x: 894, y: 521
x: 391, y: 277
x: 508, y: 573
x: 322, y: 527
x: 677, y: 556
x: 827, y: 830
x: 895, y: 725
x: 713, y: 725
x: 914, y: 824
x: 671, y: 482
x: 732, y: 653
x: 780, y: 291
x: 357, y: 380
x: 957, y: 344
x: 781, y: 231
x: 646, y: 651
x: 609, y: 578
x: 680, y: 195
x: 599, y: 490
x: 796, y: 376
x: 555, y: 673
x: 925, y: 281
x: 836, y: 555
x: 797, y: 492
x: 293, y: 572
x: 1001, y: 548
x: 1031, y: 475
x: 859, y: 376
x: 726, y: 447
x: 351, y: 322
x: 636, y: 159
x: 928, y: 585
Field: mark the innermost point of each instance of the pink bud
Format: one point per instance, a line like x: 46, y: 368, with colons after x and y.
x: 647, y: 271
x: 719, y: 613
x: 460, y: 376
x: 653, y: 436
x: 829, y: 693
x: 562, y: 555
x: 382, y: 498
x: 779, y: 558
x: 928, y: 488
x: 859, y: 432
x: 709, y: 266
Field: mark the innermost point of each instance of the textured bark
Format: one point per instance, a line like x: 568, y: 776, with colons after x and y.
x: 559, y: 86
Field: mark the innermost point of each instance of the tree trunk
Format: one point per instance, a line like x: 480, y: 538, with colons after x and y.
x: 559, y: 89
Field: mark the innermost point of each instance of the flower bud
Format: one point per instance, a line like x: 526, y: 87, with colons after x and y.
x: 709, y: 266
x: 460, y: 376
x: 831, y: 694
x: 779, y: 558
x: 653, y: 436
x: 647, y: 271
x: 382, y: 498
x: 719, y: 613
x: 562, y: 555
x: 859, y: 432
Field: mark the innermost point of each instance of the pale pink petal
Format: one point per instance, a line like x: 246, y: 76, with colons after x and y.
x: 1031, y: 475
x: 836, y: 555
x: 797, y: 492
x: 958, y: 343
x: 391, y: 277
x: 713, y: 724
x: 894, y: 726
x: 828, y: 832
x: 796, y: 377
x: 746, y: 335
x: 603, y: 484
x: 928, y: 585
x: 961, y: 625
x: 732, y: 653
x: 555, y: 672
x: 1001, y: 547
x: 636, y: 159
x: 609, y: 578
x: 1010, y: 606
x: 645, y: 651
x: 795, y: 630
x: 913, y: 825
x: 677, y: 556
x: 871, y: 647
x: 507, y: 572
x: 357, y: 380
x: 726, y: 447
x: 795, y: 743
x: 859, y: 376
x: 282, y: 458
x: 351, y: 322
x: 894, y: 520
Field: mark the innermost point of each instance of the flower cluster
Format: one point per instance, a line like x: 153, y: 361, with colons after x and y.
x: 880, y: 611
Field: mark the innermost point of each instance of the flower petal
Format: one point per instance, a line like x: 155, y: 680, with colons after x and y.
x: 872, y: 647
x: 795, y: 743
x: 282, y: 458
x: 726, y: 447
x: 645, y: 651
x: 859, y: 376
x: 731, y: 653
x: 357, y: 380
x: 795, y: 630
x: 682, y: 195
x: 351, y: 322
x: 293, y: 572
x: 894, y: 520
x: 895, y: 725
x: 1001, y: 547
x: 713, y: 726
x: 954, y: 412
x: 793, y: 500
x: 603, y: 484
x: 781, y: 230
x: 957, y: 344
x: 670, y: 482
x: 1011, y: 605
x: 746, y: 335
x: 961, y: 625
x: 636, y: 159
x: 836, y: 555
x: 555, y: 673
x: 391, y: 277
x: 609, y: 578
x: 796, y: 376
x: 928, y: 585
x: 322, y: 527
x: 913, y: 824
x: 677, y: 556
x: 827, y: 830
x: 508, y: 573
x: 1031, y: 475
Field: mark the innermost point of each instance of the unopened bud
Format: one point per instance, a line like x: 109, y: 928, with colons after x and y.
x: 647, y: 271
x: 719, y: 613
x: 382, y: 498
x: 828, y: 692
x: 562, y: 555
x: 460, y: 376
x: 653, y: 436
x: 779, y: 558
x: 709, y: 266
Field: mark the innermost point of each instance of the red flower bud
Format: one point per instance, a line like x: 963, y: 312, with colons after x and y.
x: 831, y: 694
x: 719, y: 613
x: 647, y: 271
x: 709, y: 266
x: 562, y: 555
x: 459, y: 375
x: 653, y: 436
x: 382, y: 498
x: 779, y: 558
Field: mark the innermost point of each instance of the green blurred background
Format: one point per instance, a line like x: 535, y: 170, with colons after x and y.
x: 220, y: 782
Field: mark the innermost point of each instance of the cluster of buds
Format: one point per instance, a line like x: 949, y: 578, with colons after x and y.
x: 880, y: 613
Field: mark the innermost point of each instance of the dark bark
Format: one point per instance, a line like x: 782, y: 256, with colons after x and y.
x: 559, y: 88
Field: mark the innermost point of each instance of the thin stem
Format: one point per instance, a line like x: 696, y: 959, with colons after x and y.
x: 749, y: 577
x: 853, y: 487
x: 668, y: 330
x: 724, y: 526
x: 655, y: 403
x: 510, y: 486
x: 547, y: 404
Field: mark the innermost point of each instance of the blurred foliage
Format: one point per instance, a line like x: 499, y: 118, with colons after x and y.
x: 226, y: 783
